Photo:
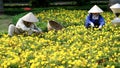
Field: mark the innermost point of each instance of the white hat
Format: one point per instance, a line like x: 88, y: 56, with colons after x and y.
x: 115, y: 8
x: 29, y: 17
x: 95, y: 9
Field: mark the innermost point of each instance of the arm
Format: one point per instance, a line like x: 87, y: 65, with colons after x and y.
x: 88, y: 21
x: 35, y: 28
x: 102, y: 21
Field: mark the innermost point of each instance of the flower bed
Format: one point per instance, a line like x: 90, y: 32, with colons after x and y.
x: 72, y: 47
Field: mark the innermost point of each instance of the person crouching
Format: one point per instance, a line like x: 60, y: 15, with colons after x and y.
x: 26, y: 24
x: 94, y: 19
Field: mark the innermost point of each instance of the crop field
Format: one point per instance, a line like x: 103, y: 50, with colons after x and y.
x: 72, y: 47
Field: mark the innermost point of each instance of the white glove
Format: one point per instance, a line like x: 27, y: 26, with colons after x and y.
x: 92, y: 24
x: 100, y: 27
x: 36, y: 31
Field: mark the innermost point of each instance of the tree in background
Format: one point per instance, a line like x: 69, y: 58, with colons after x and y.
x: 1, y: 6
x: 80, y: 2
x: 44, y: 3
x: 39, y: 3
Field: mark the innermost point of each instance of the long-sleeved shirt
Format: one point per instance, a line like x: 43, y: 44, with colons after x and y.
x: 21, y: 25
x: 99, y: 21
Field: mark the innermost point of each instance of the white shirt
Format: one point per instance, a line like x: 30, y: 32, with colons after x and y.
x: 21, y: 25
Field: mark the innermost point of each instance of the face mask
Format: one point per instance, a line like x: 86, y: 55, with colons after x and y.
x: 95, y: 16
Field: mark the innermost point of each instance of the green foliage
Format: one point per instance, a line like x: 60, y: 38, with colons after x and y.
x: 13, y: 66
x: 16, y: 18
x: 42, y: 25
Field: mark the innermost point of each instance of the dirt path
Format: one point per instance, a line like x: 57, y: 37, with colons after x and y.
x: 5, y: 20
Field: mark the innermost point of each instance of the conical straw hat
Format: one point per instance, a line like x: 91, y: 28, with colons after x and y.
x: 95, y: 9
x: 115, y: 8
x: 29, y: 17
x: 54, y: 25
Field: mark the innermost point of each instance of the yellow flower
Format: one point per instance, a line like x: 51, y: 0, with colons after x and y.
x: 32, y: 46
x: 33, y: 65
x: 100, y: 53
x: 63, y: 62
x: 60, y: 66
x: 112, y: 66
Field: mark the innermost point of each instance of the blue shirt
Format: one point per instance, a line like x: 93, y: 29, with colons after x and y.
x: 99, y: 22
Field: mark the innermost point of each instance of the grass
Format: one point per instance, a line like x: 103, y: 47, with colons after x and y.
x: 5, y: 20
